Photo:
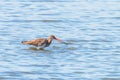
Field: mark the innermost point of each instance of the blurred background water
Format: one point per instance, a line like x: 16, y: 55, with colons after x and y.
x: 91, y: 27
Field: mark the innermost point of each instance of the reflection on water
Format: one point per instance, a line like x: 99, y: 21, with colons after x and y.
x: 38, y: 49
x: 91, y: 47
x: 51, y: 20
x: 29, y: 21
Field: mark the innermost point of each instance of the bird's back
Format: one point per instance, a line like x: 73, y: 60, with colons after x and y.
x: 36, y: 42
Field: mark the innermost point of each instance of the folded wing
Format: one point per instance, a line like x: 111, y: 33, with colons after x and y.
x: 36, y: 42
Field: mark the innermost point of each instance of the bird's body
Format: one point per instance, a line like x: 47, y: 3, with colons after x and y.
x: 41, y: 42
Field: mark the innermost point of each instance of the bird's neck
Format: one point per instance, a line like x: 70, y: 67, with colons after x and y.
x: 49, y: 41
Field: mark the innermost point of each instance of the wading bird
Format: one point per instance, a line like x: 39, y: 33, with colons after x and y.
x: 41, y: 43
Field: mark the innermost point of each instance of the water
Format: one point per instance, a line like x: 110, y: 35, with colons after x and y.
x: 91, y: 29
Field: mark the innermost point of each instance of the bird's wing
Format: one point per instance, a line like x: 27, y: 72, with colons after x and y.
x: 36, y: 42
x: 42, y: 41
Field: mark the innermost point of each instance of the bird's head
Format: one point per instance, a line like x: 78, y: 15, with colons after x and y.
x: 53, y: 37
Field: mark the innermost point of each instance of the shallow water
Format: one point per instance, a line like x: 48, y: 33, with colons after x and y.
x: 90, y: 28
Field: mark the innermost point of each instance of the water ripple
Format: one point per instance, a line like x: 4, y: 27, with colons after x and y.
x: 90, y: 33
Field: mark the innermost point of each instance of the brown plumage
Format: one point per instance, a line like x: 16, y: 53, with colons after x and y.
x: 41, y: 42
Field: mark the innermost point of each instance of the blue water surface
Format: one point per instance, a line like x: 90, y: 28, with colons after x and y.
x: 90, y: 27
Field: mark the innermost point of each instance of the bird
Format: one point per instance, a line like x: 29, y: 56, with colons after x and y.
x: 41, y: 43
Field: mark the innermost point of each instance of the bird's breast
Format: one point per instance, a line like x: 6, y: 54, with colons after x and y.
x: 42, y: 46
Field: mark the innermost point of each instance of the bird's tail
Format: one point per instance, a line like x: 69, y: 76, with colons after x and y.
x: 24, y: 42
